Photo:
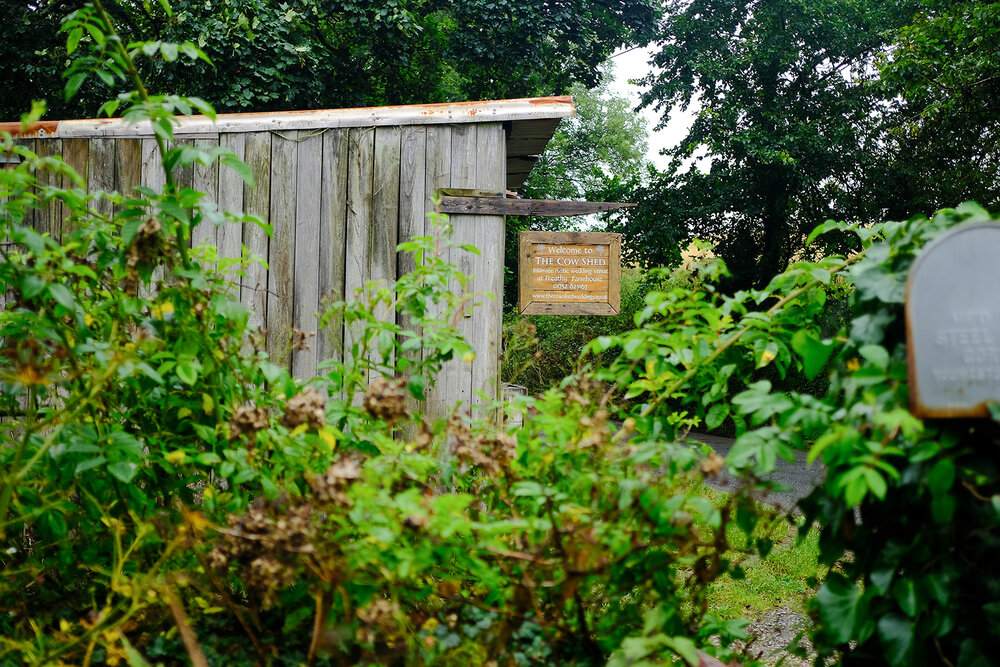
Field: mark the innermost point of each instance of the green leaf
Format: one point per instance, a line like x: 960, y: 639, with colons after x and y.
x: 187, y: 372
x: 838, y: 607
x: 821, y: 274
x: 416, y: 386
x: 73, y: 40
x: 943, y: 508
x: 716, y: 415
x: 208, y: 458
x: 876, y: 483
x: 133, y: 657
x: 814, y: 352
x: 685, y: 648
x: 169, y: 51
x: 896, y: 633
x: 941, y: 477
x: 206, y: 433
x: 124, y: 471
x: 74, y: 83
x: 905, y: 592
x: 239, y: 166
x: 88, y: 464
x: 32, y: 286
x: 876, y: 355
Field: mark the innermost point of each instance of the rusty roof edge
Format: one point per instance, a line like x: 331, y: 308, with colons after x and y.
x: 415, y: 114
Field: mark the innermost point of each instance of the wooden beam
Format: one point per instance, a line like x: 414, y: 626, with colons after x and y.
x: 478, y: 205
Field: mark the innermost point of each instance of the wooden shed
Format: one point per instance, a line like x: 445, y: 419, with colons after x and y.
x: 341, y: 189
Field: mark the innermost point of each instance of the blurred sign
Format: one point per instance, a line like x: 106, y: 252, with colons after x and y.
x: 953, y: 324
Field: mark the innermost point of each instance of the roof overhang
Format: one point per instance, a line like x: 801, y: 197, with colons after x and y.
x: 531, y: 123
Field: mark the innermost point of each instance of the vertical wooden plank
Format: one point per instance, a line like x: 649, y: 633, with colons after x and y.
x: 281, y: 253
x: 309, y: 168
x: 229, y: 237
x: 458, y: 373
x: 76, y: 153
x: 361, y: 167
x: 332, y: 239
x: 412, y: 215
x: 153, y: 177
x: 412, y: 206
x: 101, y: 171
x: 257, y: 201
x: 184, y: 176
x: 437, y: 174
x: 206, y: 179
x: 128, y: 168
x: 31, y: 215
x: 49, y: 217
x: 487, y: 321
x: 385, y: 214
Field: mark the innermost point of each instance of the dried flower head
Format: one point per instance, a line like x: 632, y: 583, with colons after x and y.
x: 265, y: 545
x: 306, y: 407
x: 301, y: 339
x: 386, y: 399
x: 332, y: 485
x: 247, y: 420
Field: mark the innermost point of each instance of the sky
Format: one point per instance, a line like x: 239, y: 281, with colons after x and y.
x: 634, y: 64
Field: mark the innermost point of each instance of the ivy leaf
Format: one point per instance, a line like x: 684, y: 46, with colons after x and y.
x: 838, y: 601
x: 896, y: 633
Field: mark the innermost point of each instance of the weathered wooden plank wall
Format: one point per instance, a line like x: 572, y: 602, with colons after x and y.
x: 339, y: 202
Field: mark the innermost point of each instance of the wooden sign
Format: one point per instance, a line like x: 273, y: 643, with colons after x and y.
x: 953, y: 324
x: 569, y: 273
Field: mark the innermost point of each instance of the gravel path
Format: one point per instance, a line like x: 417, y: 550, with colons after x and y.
x: 799, y: 478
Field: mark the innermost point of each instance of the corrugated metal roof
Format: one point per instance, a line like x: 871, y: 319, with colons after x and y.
x: 532, y: 123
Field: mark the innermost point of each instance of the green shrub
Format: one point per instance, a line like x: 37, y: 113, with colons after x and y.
x: 170, y: 494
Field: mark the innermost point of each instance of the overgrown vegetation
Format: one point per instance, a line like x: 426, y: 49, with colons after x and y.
x: 169, y: 494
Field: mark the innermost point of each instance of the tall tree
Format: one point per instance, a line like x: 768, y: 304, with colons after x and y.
x: 943, y: 74
x: 788, y: 131
x: 337, y: 53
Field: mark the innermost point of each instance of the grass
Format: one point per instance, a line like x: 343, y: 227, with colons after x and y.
x: 785, y: 578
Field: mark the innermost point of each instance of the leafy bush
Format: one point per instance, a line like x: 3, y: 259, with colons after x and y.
x: 170, y: 494
x: 908, y: 515
x: 540, y: 350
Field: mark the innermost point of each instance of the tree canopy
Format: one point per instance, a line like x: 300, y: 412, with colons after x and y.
x: 336, y: 53
x: 814, y: 109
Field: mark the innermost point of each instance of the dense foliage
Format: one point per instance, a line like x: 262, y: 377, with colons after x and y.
x: 814, y: 109
x: 169, y: 494
x: 315, y: 54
